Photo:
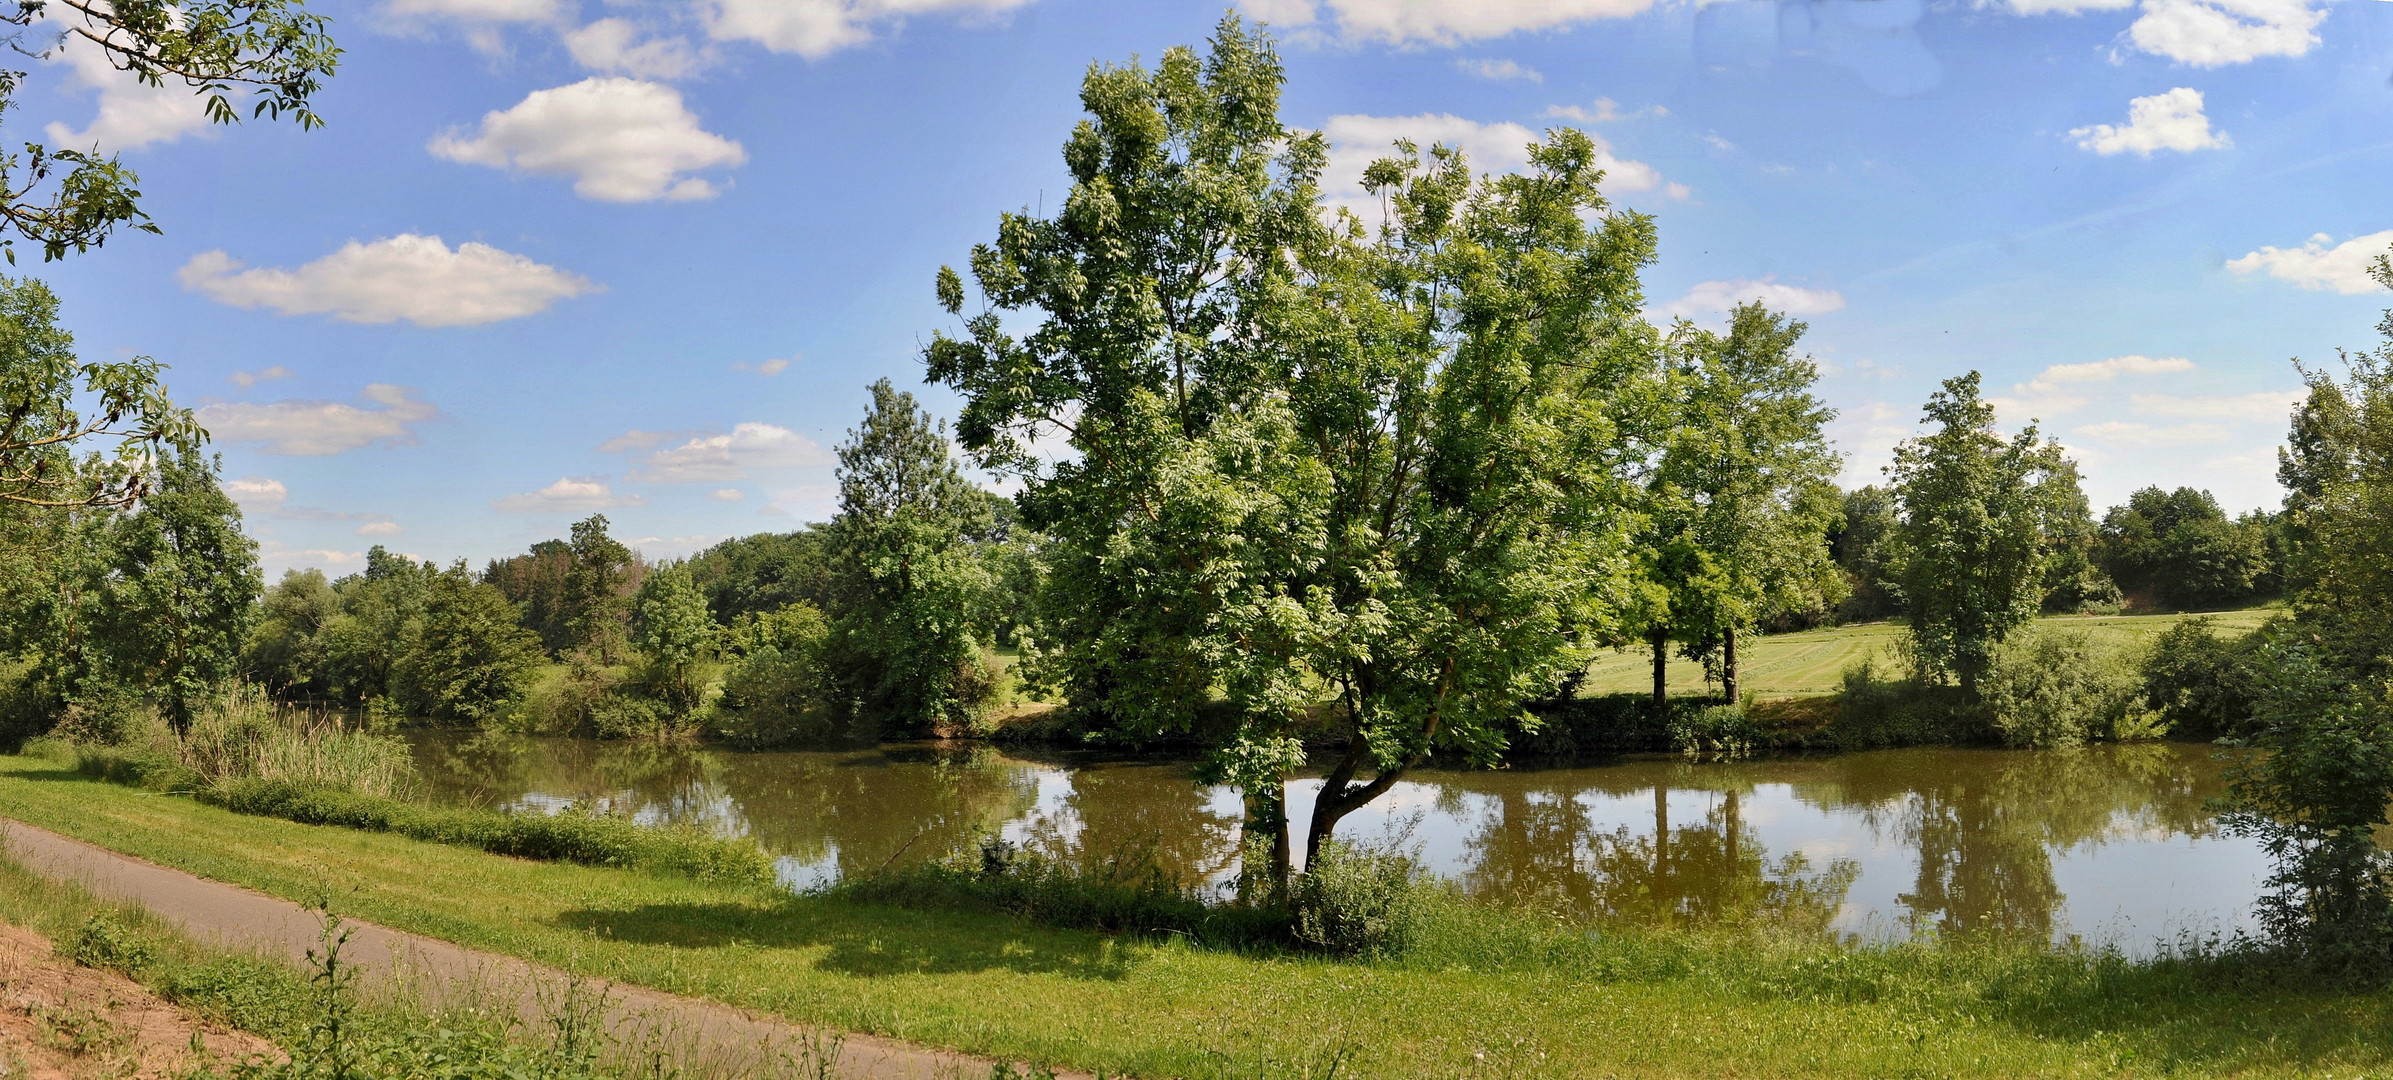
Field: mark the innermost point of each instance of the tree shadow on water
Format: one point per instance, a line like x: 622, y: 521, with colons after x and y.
x: 865, y: 941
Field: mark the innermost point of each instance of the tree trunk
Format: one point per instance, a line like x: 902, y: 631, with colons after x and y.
x: 1340, y: 796
x: 1728, y: 664
x: 1660, y: 636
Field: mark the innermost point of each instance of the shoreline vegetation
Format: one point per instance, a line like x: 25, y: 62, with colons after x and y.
x: 1083, y: 966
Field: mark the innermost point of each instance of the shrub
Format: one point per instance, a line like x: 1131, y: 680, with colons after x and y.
x: 103, y: 942
x: 572, y: 835
x: 776, y: 698
x: 1718, y: 731
x: 1353, y: 902
x: 1127, y: 890
x: 2203, y: 684
x: 1877, y: 707
x: 2052, y: 688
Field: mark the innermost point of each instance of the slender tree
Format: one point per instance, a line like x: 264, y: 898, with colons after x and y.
x: 1742, y: 497
x: 1971, y: 550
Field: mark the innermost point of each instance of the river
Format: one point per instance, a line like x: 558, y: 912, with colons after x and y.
x: 2110, y: 845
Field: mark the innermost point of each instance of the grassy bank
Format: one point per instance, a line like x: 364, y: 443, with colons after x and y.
x: 1810, y: 662
x: 1481, y: 997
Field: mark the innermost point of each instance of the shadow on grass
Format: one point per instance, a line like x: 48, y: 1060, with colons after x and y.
x: 865, y: 941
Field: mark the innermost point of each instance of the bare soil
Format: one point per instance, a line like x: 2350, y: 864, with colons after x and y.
x: 62, y: 1021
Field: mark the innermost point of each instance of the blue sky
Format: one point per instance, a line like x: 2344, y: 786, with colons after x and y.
x: 643, y: 256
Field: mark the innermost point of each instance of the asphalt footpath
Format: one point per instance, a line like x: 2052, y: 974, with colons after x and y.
x: 705, y: 1038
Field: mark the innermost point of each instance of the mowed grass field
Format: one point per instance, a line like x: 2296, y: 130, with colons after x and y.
x: 1813, y: 661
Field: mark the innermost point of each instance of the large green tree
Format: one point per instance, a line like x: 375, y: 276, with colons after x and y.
x: 1742, y: 497
x: 1378, y: 470
x: 1972, y: 549
x: 468, y: 658
x: 907, y: 581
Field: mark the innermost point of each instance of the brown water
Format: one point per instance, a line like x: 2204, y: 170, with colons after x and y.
x: 2109, y: 844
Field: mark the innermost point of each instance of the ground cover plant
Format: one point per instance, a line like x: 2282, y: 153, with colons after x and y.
x: 1508, y: 988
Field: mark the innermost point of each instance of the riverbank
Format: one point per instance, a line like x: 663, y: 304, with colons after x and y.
x: 1508, y: 996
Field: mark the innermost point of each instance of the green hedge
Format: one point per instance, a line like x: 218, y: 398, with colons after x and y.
x: 569, y: 836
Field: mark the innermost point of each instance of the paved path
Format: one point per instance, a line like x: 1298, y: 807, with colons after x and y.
x: 705, y: 1037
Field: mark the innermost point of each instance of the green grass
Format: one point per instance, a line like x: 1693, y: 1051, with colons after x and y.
x: 1489, y: 996
x: 1809, y: 663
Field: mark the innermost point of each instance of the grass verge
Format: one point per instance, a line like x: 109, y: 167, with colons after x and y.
x: 1481, y: 994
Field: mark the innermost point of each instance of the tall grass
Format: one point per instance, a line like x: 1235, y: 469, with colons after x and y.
x: 238, y: 734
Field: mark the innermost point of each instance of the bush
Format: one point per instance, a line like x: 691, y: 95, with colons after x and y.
x: 1124, y: 891
x: 1877, y: 707
x: 1717, y: 731
x: 572, y: 835
x: 776, y: 698
x: 2203, y: 684
x: 1355, y: 902
x: 2053, y: 688
x: 103, y: 942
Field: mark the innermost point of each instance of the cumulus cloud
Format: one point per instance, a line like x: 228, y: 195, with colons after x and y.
x: 257, y: 494
x: 132, y: 114
x: 2132, y: 435
x: 411, y: 277
x: 636, y: 439
x: 318, y: 428
x: 2215, y: 33
x: 614, y: 46
x: 1719, y: 296
x: 717, y: 459
x: 2170, y: 121
x: 569, y: 495
x: 2060, y: 388
x: 1439, y: 22
x: 2268, y: 406
x: 2062, y: 7
x: 622, y: 140
x: 1499, y: 70
x: 247, y: 379
x: 1357, y: 141
x: 817, y: 28
x: 2314, y: 265
x: 727, y: 495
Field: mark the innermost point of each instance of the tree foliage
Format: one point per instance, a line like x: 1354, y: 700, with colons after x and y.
x: 2179, y: 548
x: 1383, y: 467
x: 1742, y: 496
x: 468, y: 658
x: 1972, y: 548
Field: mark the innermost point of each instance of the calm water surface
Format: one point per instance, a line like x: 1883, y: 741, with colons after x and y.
x: 2112, y: 845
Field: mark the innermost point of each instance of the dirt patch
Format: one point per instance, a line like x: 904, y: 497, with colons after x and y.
x: 60, y: 1021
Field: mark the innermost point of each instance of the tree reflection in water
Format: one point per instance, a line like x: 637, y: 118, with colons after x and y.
x: 1971, y: 835
x: 1542, y: 847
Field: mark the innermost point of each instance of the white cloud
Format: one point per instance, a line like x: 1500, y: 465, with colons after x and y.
x: 1720, y: 296
x: 636, y: 439
x: 1605, y: 111
x: 622, y: 140
x: 2343, y: 268
x: 768, y: 368
x: 727, y: 495
x: 2269, y: 406
x: 411, y: 277
x: 1440, y: 22
x: 817, y: 28
x: 247, y: 379
x: 1499, y: 70
x: 569, y: 495
x: 317, y: 428
x: 2214, y: 33
x: 380, y: 528
x: 476, y: 11
x: 132, y: 114
x: 2131, y: 435
x: 257, y: 494
x: 2106, y: 370
x: 1357, y: 141
x: 716, y: 459
x: 614, y: 46
x: 2170, y: 121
